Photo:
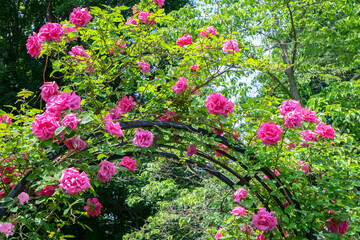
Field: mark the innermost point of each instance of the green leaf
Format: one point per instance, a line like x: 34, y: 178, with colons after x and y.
x: 59, y: 130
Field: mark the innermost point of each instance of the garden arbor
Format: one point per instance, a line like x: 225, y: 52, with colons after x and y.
x: 143, y: 87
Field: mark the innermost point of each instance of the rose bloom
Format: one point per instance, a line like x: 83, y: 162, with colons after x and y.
x: 79, y: 51
x: 238, y: 211
x: 305, y: 167
x: 69, y: 30
x: 269, y: 133
x: 230, y: 47
x: 114, y: 114
x: 135, y: 9
x: 6, y: 119
x: 23, y: 197
x: 193, y: 68
x: 126, y: 104
x: 168, y: 116
x: 143, y: 138
x: 218, y: 235
x: 325, y: 131
x: 73, y: 182
x: 7, y: 228
x: 93, y: 207
x: 261, y: 237
x: 180, y: 85
x: 119, y: 44
x: 264, y: 221
x: 336, y: 226
x: 75, y: 143
x: 309, y: 115
x: 51, y: 31
x: 309, y: 136
x: 191, y: 150
x: 48, y: 90
x: 239, y: 194
x: 45, y: 125
x: 222, y: 148
x: 128, y: 163
x: 48, y: 190
x: 107, y: 169
x: 6, y: 180
x: 62, y: 102
x: 80, y: 17
x: 218, y: 104
x: 210, y: 30
x: 160, y: 3
x: 130, y: 22
x: 277, y: 173
x: 288, y: 106
x: 184, y: 40
x: 71, y: 121
x: 247, y: 229
x: 33, y: 45
x: 144, y: 17
x: 293, y: 119
x: 114, y: 128
x: 145, y: 67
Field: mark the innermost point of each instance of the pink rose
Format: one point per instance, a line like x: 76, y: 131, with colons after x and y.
x: 210, y: 30
x: 222, y: 147
x: 264, y: 221
x: 269, y: 133
x: 6, y: 180
x: 79, y: 51
x: 145, y: 67
x: 144, y: 17
x: 168, y: 116
x: 261, y: 237
x: 288, y: 106
x: 93, y: 207
x: 193, y: 68
x: 293, y: 119
x: 238, y: 211
x: 239, y: 194
x: 135, y: 9
x: 69, y: 30
x: 305, y: 167
x: 33, y: 45
x: 143, y: 138
x: 309, y: 136
x: 160, y: 3
x: 6, y: 119
x: 73, y: 182
x: 119, y: 44
x: 114, y: 128
x: 309, y: 115
x: 219, y: 234
x: 286, y: 204
x: 128, y: 163
x: 218, y: 104
x: 71, y: 121
x: 45, y: 125
x: 126, y: 104
x: 62, y: 102
x: 191, y: 150
x: 230, y: 46
x: 277, y: 173
x: 336, y: 226
x: 235, y: 135
x: 325, y: 131
x: 51, y: 31
x: 180, y: 85
x: 48, y: 90
x: 291, y: 145
x: 80, y: 17
x: 75, y: 143
x: 7, y: 228
x: 131, y: 22
x: 23, y: 197
x: 184, y: 40
x: 106, y: 171
x: 48, y: 190
x: 247, y: 229
x: 114, y: 114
